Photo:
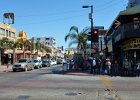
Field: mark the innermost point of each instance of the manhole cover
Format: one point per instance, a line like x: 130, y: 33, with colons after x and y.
x: 71, y: 94
x: 23, y: 97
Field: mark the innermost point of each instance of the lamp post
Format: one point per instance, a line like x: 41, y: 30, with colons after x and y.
x: 91, y: 21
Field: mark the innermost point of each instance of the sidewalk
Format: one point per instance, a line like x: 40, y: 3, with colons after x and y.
x: 82, y: 73
x: 3, y: 68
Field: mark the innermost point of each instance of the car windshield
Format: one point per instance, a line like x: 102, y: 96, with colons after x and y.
x: 35, y: 61
x: 45, y: 61
x: 22, y: 61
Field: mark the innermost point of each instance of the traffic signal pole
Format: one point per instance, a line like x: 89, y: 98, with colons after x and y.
x: 91, y: 20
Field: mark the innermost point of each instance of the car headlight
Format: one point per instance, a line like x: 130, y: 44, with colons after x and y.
x: 22, y: 65
x: 35, y: 64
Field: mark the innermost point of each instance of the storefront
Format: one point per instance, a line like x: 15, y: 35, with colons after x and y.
x: 128, y: 52
x: 131, y: 49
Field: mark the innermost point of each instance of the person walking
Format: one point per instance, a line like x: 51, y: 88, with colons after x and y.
x: 93, y: 66
x: 8, y: 64
x: 108, y: 64
x: 138, y: 68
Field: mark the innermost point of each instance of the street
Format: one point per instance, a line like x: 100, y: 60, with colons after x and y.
x: 52, y: 83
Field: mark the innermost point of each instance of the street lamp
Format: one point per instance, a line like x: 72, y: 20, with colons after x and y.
x: 91, y: 20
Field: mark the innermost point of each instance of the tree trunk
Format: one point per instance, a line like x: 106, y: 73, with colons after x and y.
x: 14, y: 55
x: 0, y: 57
x: 24, y: 50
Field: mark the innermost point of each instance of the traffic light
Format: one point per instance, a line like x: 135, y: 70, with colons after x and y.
x: 94, y: 35
x: 89, y: 36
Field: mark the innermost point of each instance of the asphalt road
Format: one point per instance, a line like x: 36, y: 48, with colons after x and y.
x: 53, y: 84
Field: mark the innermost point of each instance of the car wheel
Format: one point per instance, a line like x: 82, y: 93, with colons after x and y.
x: 14, y: 70
x: 33, y: 68
x: 26, y: 69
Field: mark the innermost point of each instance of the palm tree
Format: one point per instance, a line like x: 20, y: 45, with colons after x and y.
x: 4, y: 44
x: 14, y: 46
x: 38, y: 46
x: 47, y: 49
x: 78, y: 38
x: 24, y: 44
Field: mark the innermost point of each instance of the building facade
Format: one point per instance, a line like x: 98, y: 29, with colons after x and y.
x: 123, y: 39
x: 47, y: 41
x: 6, y: 31
x: 24, y: 50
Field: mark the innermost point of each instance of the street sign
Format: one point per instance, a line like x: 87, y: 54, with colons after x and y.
x: 98, y: 27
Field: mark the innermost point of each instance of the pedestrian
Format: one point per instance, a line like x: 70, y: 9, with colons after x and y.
x: 138, y: 68
x: 115, y: 68
x: 98, y: 65
x: 93, y: 65
x: 8, y: 64
x: 108, y: 64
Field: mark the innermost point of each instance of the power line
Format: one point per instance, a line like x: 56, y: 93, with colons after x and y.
x: 107, y: 6
x: 65, y: 12
x: 60, y: 19
x: 54, y: 20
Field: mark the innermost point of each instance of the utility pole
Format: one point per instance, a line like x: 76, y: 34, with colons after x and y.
x: 91, y: 21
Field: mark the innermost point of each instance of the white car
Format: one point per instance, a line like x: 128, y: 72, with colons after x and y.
x: 23, y: 65
x: 37, y: 63
x: 53, y: 62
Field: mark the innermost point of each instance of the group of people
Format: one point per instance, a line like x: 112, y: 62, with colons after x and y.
x: 131, y: 67
x: 105, y: 66
x: 98, y: 66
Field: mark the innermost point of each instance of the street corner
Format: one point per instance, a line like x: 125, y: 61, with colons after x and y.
x: 79, y: 74
x: 3, y: 68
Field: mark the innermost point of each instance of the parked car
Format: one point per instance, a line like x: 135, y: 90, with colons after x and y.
x: 23, y: 65
x: 59, y: 61
x: 45, y: 63
x: 37, y: 63
x: 53, y: 62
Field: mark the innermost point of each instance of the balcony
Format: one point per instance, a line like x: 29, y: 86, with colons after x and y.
x: 125, y: 31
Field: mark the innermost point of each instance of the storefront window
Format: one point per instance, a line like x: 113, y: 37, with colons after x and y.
x: 2, y: 31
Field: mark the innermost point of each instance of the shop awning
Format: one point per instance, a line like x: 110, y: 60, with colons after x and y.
x: 27, y: 51
x: 18, y: 51
x: 9, y: 51
x: 130, y: 11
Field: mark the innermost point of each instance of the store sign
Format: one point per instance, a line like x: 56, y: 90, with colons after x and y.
x: 131, y: 44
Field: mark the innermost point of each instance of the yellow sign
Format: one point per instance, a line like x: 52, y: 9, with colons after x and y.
x: 131, y: 44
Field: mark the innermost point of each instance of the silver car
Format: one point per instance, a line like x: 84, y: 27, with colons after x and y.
x: 23, y: 65
x: 37, y: 63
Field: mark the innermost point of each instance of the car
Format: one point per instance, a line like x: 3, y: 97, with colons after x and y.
x: 23, y: 65
x: 45, y: 63
x: 37, y: 63
x: 53, y: 62
x: 59, y: 61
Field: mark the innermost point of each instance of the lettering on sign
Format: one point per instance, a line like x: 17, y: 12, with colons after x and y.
x: 131, y: 44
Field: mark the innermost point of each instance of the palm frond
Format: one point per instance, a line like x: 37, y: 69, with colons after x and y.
x: 72, y: 42
x: 74, y: 28
x: 71, y: 36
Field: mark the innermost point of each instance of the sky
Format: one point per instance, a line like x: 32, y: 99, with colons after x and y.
x: 53, y: 18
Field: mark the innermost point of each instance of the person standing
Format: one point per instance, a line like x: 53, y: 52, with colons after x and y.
x: 138, y: 68
x: 93, y: 65
x: 108, y: 64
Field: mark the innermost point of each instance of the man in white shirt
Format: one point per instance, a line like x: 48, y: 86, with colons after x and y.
x: 93, y: 66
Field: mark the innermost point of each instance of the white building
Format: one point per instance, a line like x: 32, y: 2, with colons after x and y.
x: 48, y: 41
